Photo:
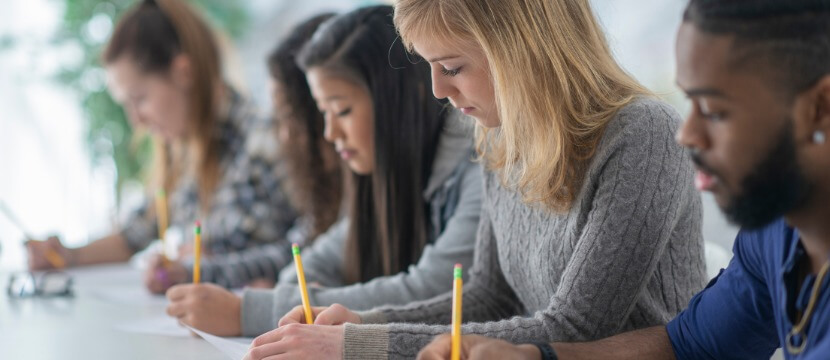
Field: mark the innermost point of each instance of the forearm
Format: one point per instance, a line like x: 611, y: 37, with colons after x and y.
x: 112, y: 248
x: 650, y: 343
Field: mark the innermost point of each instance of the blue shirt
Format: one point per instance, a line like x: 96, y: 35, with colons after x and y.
x: 745, y: 312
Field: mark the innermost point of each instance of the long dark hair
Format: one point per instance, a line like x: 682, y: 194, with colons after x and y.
x: 314, y: 179
x: 152, y: 34
x: 388, y: 214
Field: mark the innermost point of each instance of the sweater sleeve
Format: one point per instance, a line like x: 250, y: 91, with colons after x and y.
x: 643, y: 183
x: 487, y: 297
x: 234, y: 270
x: 322, y: 264
x: 140, y: 227
x: 431, y: 276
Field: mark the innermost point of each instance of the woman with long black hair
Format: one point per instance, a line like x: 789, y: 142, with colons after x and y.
x: 414, y: 192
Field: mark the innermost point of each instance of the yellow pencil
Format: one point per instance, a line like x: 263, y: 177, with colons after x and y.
x: 54, y: 258
x: 161, y: 219
x: 455, y: 353
x: 51, y: 255
x: 197, y: 252
x: 295, y: 249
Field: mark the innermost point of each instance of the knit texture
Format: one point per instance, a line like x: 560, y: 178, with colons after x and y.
x: 627, y: 255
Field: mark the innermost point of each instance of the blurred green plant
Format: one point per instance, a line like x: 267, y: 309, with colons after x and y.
x: 86, y: 27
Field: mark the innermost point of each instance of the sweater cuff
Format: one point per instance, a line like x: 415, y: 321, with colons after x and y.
x: 257, y: 312
x: 285, y: 297
x: 372, y: 317
x: 365, y: 342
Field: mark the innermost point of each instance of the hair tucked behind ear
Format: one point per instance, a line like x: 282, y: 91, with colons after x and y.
x: 151, y: 35
x: 388, y: 214
x: 556, y: 85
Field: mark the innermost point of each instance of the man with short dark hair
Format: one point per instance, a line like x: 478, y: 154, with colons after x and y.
x: 758, y: 75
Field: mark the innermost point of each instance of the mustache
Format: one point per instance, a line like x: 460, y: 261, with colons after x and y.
x: 697, y: 159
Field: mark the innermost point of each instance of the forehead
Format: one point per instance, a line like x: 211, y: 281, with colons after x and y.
x: 122, y: 76
x: 701, y: 56
x: 326, y: 86
x: 441, y: 47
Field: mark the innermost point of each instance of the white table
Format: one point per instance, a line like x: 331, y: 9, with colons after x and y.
x: 83, y: 326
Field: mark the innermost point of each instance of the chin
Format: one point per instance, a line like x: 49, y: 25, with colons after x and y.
x: 488, y: 122
x: 360, y: 168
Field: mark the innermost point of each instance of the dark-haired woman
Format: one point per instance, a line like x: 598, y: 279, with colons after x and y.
x: 415, y: 193
x: 215, y: 155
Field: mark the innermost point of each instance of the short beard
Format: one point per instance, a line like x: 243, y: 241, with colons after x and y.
x: 774, y: 188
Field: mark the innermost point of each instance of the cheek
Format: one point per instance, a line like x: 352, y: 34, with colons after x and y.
x: 729, y: 155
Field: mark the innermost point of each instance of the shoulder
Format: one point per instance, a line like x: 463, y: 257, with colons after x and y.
x: 644, y: 118
x: 254, y: 130
x: 764, y: 249
x: 642, y: 131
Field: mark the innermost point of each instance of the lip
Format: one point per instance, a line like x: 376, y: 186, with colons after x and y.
x: 346, y: 154
x: 705, y: 181
x: 467, y: 110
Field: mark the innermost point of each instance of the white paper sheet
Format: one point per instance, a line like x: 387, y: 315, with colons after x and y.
x: 128, y: 295
x: 160, y: 325
x: 235, y: 348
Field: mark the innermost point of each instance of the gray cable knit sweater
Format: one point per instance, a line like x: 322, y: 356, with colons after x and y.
x: 627, y: 255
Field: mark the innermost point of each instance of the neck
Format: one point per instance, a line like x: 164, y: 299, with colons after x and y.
x: 814, y: 229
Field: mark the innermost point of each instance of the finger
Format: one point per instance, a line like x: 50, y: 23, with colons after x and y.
x: 266, y: 351
x: 54, y: 241
x: 439, y: 348
x: 177, y: 310
x: 269, y: 337
x: 332, y: 315
x: 179, y: 292
x: 295, y: 316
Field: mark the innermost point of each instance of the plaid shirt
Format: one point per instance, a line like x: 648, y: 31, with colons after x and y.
x: 245, y: 230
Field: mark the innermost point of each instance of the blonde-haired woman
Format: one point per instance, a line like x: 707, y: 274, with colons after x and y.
x: 214, y: 154
x: 590, y: 223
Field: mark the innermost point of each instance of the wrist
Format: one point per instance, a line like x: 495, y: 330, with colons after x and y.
x: 530, y: 352
x: 71, y: 257
x: 546, y: 351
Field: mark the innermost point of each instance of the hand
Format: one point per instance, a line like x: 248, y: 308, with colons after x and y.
x: 478, y: 347
x: 260, y: 283
x: 206, y: 307
x: 335, y: 314
x: 161, y: 274
x: 299, y: 341
x: 38, y: 254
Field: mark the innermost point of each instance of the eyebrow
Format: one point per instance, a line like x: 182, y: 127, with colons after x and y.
x: 706, y: 92
x: 334, y: 97
x: 443, y: 58
x: 695, y: 92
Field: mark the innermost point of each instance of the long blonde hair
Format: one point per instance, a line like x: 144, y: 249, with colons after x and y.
x: 152, y: 33
x: 556, y: 85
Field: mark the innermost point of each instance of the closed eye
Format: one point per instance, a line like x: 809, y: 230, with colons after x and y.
x: 448, y: 72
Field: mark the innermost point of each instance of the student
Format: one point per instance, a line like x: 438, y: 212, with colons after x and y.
x: 590, y: 224
x: 758, y: 75
x: 416, y: 194
x: 214, y: 156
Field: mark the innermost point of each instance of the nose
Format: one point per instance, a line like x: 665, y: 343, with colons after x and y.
x: 441, y: 85
x: 332, y: 130
x: 135, y: 116
x: 692, y: 133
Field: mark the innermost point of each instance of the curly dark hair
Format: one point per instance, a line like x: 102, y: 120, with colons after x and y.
x: 314, y: 180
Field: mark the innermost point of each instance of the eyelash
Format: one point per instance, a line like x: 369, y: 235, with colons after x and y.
x: 340, y: 114
x: 448, y: 72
